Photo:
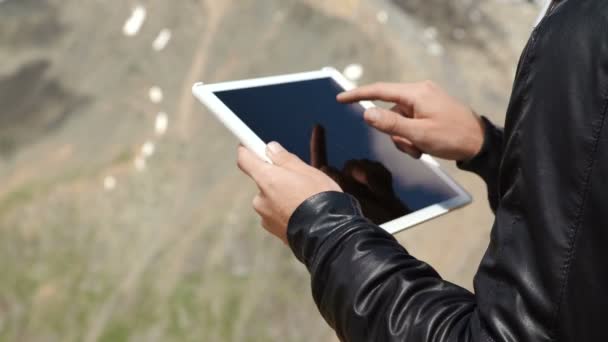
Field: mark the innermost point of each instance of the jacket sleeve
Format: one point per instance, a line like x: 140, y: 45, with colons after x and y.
x: 367, y: 286
x: 487, y: 162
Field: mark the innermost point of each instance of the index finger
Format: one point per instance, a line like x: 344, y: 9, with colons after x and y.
x: 251, y: 164
x: 388, y: 92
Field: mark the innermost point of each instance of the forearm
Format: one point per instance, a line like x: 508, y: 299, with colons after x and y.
x: 367, y: 286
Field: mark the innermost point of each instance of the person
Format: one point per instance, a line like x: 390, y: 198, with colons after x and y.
x: 545, y: 272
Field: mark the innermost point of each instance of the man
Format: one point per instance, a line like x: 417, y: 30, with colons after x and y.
x: 545, y: 274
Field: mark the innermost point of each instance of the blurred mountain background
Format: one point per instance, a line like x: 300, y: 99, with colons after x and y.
x: 122, y: 214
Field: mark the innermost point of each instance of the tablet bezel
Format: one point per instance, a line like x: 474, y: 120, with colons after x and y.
x: 205, y: 94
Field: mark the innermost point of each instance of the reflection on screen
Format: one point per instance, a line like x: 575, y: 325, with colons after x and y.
x: 307, y: 120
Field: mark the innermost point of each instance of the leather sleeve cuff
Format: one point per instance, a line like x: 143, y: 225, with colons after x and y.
x: 489, y: 155
x: 486, y: 163
x: 316, y: 218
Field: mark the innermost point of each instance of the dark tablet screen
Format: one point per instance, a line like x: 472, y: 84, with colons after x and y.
x: 306, y: 119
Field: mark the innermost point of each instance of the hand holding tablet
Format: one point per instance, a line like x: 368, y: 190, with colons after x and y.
x: 301, y: 112
x: 284, y: 185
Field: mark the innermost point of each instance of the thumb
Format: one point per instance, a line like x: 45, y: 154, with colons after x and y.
x: 389, y: 122
x: 280, y: 156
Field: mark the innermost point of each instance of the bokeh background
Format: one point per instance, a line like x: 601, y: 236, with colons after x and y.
x: 122, y: 214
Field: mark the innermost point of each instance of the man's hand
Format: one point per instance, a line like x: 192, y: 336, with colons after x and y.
x: 424, y: 119
x: 284, y: 185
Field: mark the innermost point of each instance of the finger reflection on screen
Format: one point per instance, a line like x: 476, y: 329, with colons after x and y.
x: 368, y: 181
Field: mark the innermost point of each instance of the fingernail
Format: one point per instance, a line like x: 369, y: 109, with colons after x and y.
x: 372, y: 115
x: 275, y: 148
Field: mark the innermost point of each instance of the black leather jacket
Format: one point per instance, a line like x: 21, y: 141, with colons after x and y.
x: 544, y: 276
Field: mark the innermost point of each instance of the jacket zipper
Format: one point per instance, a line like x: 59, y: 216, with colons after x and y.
x: 553, y: 5
x: 549, y: 7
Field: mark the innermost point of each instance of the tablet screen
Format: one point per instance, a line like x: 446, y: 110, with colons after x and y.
x: 306, y: 119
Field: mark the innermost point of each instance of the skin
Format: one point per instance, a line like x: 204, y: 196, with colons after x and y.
x: 275, y: 203
x: 424, y: 119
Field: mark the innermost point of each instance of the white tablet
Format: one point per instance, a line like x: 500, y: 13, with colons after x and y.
x: 300, y: 111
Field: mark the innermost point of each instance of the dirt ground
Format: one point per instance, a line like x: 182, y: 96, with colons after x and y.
x: 122, y: 214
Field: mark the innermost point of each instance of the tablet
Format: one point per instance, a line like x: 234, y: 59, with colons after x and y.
x: 300, y: 111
